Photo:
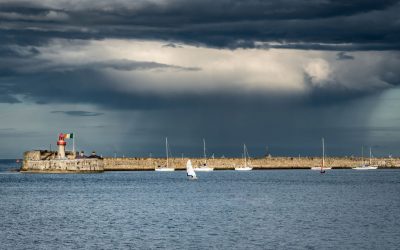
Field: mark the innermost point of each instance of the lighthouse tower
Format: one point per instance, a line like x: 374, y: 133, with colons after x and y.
x: 61, y: 146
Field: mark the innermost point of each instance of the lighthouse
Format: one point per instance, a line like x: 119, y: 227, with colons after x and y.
x: 61, y: 146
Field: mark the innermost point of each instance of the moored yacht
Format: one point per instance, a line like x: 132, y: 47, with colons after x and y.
x: 167, y: 168
x: 204, y: 167
x: 322, y: 168
x: 364, y: 166
x: 245, y: 167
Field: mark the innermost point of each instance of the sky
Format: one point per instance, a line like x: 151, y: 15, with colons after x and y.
x: 274, y: 75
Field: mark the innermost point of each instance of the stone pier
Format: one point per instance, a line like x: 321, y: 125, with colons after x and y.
x: 40, y: 161
x: 141, y: 164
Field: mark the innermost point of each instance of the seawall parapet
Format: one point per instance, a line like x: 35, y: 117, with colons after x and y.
x: 142, y: 164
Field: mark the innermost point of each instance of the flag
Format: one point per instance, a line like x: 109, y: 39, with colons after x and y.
x: 69, y: 136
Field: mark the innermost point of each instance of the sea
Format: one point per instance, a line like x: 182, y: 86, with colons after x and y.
x: 275, y: 209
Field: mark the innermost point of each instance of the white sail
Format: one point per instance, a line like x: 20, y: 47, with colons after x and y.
x: 189, y: 170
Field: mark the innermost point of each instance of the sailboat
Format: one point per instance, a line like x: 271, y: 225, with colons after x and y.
x: 322, y: 171
x: 245, y: 154
x: 322, y: 168
x: 204, y: 167
x: 190, y: 171
x: 166, y: 168
x: 366, y: 166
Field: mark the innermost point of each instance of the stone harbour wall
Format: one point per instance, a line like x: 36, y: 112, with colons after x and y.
x: 46, y: 161
x: 139, y: 164
x: 63, y: 166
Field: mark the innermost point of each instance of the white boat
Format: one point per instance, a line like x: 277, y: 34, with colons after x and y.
x: 245, y: 167
x: 366, y: 166
x: 316, y: 168
x: 322, y: 168
x: 319, y: 168
x: 190, y: 171
x: 204, y: 167
x: 166, y: 168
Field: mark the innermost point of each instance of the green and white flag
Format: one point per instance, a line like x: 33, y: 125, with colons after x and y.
x: 69, y: 136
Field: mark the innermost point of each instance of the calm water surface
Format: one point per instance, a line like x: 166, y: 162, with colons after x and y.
x: 295, y: 209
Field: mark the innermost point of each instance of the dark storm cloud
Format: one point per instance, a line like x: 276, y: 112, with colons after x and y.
x: 80, y: 86
x: 43, y: 81
x: 358, y: 25
x: 128, y: 65
x: 333, y: 93
x: 6, y: 98
x: 15, y: 133
x: 172, y: 45
x: 226, y: 117
x: 77, y: 113
x: 14, y: 63
x: 6, y: 95
x: 90, y: 86
x: 343, y: 56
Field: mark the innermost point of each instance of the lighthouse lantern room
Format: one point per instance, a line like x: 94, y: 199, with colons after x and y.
x: 61, y: 146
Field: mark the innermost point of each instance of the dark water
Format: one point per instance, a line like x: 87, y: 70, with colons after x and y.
x: 297, y: 209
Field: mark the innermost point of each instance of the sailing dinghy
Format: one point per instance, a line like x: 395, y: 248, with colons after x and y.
x: 190, y: 171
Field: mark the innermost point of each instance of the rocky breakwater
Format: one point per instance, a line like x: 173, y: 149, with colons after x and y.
x: 40, y: 161
x: 142, y: 164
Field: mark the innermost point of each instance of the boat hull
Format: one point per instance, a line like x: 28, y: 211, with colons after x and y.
x: 243, y: 169
x: 319, y: 168
x: 203, y: 169
x: 165, y: 169
x: 365, y: 168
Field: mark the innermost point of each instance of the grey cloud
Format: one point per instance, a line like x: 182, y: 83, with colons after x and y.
x: 128, y: 65
x: 287, y: 124
x: 14, y: 63
x: 330, y: 92
x: 172, y: 45
x: 48, y: 15
x: 343, y: 56
x: 6, y: 95
x: 359, y: 25
x: 77, y: 113
x: 288, y: 129
x: 4, y: 98
x: 89, y: 86
x: 15, y: 133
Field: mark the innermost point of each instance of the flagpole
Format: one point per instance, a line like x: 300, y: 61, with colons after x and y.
x: 73, y: 144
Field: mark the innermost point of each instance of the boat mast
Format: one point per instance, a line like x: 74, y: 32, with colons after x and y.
x: 362, y: 154
x: 323, y: 153
x: 166, y: 149
x: 370, y: 155
x: 245, y: 156
x: 204, y: 152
